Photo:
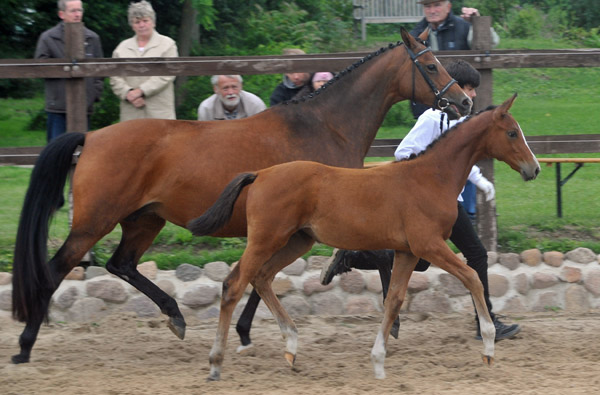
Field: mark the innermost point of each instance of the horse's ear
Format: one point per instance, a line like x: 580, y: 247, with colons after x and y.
x: 408, y: 40
x: 508, y: 103
x: 503, y: 109
x: 425, y: 35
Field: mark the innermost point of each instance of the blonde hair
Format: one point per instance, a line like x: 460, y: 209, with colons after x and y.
x: 139, y: 10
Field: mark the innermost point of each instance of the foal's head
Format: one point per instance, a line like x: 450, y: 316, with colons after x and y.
x: 431, y: 83
x: 507, y: 142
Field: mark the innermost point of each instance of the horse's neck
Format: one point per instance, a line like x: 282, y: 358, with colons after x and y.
x: 457, y: 152
x: 356, y: 105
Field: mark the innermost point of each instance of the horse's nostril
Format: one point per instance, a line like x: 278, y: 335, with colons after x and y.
x: 537, y: 171
x: 466, y: 102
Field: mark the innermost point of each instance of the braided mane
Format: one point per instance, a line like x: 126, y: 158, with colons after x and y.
x: 344, y: 72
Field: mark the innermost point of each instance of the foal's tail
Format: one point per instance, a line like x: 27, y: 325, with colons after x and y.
x: 32, y: 279
x: 219, y: 214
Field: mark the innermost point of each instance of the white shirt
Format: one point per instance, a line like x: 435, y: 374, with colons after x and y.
x: 425, y: 131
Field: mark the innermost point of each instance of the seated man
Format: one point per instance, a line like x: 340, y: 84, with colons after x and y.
x: 229, y: 100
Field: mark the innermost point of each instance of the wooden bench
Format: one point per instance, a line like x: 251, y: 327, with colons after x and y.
x: 386, y: 11
x: 579, y: 162
x: 562, y: 181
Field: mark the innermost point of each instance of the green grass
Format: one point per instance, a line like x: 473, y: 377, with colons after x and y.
x: 15, y: 116
x: 551, y: 101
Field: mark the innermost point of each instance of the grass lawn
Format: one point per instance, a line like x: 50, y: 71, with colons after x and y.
x: 553, y: 101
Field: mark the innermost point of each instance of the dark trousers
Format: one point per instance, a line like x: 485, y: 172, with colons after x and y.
x: 56, y: 124
x: 466, y: 240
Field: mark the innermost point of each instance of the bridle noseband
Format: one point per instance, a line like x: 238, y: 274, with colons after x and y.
x: 440, y: 102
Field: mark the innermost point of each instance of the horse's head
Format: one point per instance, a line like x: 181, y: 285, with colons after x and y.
x: 508, y: 143
x: 431, y: 82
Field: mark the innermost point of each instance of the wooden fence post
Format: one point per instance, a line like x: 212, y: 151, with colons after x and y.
x: 75, y: 87
x: 76, y: 100
x: 486, y: 211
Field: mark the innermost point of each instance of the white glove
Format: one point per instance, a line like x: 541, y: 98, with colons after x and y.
x: 486, y: 187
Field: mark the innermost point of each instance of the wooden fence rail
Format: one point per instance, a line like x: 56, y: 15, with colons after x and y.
x: 75, y: 68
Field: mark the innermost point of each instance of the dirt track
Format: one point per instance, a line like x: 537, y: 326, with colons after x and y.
x: 555, y: 353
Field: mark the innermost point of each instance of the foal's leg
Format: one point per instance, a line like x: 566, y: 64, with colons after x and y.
x: 404, y: 263
x: 442, y: 256
x: 297, y: 245
x: 384, y: 260
x: 233, y: 289
x: 138, y: 234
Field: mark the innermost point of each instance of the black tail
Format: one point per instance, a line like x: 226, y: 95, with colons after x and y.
x: 31, y: 275
x: 219, y: 214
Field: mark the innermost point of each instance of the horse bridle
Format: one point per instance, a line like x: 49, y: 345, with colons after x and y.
x: 440, y: 102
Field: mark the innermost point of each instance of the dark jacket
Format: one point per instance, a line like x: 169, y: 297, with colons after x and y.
x: 51, y: 44
x: 451, y: 35
x: 284, y: 91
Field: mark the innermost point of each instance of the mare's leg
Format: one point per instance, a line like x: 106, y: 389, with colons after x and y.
x: 297, y: 245
x: 404, y: 263
x: 67, y: 257
x: 138, y: 234
x: 245, y: 322
x: 442, y: 256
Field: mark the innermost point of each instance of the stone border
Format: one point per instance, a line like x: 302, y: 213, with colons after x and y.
x: 530, y: 281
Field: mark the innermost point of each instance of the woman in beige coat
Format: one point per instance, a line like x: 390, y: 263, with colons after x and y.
x: 145, y: 97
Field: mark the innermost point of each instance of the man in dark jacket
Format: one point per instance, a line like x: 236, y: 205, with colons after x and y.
x: 448, y: 32
x: 51, y: 44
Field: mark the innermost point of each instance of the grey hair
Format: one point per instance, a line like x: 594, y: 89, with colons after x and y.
x: 214, y: 80
x: 62, y: 4
x: 142, y: 9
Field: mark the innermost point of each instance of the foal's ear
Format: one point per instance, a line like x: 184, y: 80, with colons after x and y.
x: 503, y: 109
x: 408, y: 40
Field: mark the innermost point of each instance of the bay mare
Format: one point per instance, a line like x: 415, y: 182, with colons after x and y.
x: 142, y: 173
x: 408, y: 206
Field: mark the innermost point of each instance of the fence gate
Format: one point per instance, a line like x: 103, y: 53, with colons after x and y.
x: 386, y: 11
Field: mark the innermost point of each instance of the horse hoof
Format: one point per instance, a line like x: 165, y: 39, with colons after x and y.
x: 487, y: 360
x: 177, y: 326
x: 17, y: 359
x: 290, y: 358
x: 214, y: 377
x: 394, y: 331
x: 247, y: 350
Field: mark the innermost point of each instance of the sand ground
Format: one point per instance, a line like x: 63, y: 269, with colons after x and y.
x: 556, y: 353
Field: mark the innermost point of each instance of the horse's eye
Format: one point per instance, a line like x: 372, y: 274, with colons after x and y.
x: 512, y: 134
x: 431, y: 67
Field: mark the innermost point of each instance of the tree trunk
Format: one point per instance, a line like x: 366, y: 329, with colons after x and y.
x: 189, y: 33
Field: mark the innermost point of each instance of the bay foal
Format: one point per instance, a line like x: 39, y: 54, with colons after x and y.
x: 408, y: 206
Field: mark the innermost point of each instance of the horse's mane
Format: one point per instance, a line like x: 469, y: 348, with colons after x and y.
x: 344, y: 72
x: 445, y: 134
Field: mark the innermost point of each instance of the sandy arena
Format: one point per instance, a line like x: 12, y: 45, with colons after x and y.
x: 555, y: 353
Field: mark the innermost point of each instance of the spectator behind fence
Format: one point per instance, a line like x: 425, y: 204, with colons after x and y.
x: 230, y: 101
x: 51, y: 44
x: 292, y: 82
x: 448, y: 32
x: 145, y: 97
x: 316, y: 81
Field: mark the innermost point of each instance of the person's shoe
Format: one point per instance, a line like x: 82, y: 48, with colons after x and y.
x: 333, y: 266
x: 503, y: 331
